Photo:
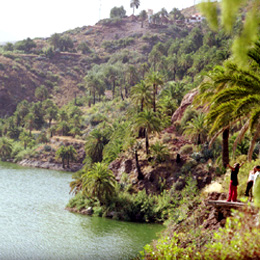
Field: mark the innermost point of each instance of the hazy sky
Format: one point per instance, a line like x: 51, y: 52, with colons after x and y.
x: 20, y: 19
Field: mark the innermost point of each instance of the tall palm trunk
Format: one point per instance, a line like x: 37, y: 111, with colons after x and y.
x: 147, y: 142
x: 154, y: 95
x: 113, y: 89
x: 94, y: 96
x: 140, y: 174
x: 225, y: 151
x: 199, y: 140
x: 121, y: 93
x: 253, y: 142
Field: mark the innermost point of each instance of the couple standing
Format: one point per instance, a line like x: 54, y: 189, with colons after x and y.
x: 234, y: 180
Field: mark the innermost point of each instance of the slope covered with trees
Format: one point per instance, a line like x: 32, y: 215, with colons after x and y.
x: 101, y: 98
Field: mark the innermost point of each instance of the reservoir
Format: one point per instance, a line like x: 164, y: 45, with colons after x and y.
x: 35, y: 225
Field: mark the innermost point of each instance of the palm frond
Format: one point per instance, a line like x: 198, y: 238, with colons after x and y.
x: 254, y: 119
x: 246, y: 104
x: 240, y: 136
x: 230, y: 94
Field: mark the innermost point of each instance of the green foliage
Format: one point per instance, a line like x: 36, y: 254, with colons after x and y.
x: 84, y: 48
x: 5, y: 148
x: 41, y: 93
x: 8, y: 47
x: 24, y: 154
x: 97, y: 119
x: 117, y: 44
x: 238, y: 240
x: 117, y: 12
x: 186, y: 149
x: 25, y: 45
x: 66, y: 153
x: 99, y: 182
x: 159, y: 151
x: 230, y: 10
x: 197, y: 129
x: 95, y: 144
x: 63, y: 43
x: 188, y: 115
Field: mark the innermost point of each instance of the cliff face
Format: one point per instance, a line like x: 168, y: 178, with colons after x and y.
x: 186, y: 101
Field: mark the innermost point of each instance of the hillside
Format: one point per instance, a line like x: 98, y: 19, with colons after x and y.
x: 21, y: 74
x: 62, y: 71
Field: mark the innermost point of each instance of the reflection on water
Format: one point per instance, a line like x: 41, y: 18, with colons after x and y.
x: 34, y: 224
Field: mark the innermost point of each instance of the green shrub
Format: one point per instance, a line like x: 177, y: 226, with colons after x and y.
x: 24, y: 154
x: 186, y: 149
x: 159, y: 151
x: 97, y: 119
x: 47, y: 148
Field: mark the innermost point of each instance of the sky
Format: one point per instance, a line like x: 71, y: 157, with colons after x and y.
x: 20, y: 19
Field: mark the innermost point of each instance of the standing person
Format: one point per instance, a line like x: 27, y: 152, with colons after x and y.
x: 256, y: 187
x: 232, y: 195
x: 250, y: 181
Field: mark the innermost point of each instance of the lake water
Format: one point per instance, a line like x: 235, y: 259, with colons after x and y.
x: 35, y: 225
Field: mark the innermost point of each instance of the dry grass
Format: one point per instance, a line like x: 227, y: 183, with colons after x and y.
x: 68, y: 139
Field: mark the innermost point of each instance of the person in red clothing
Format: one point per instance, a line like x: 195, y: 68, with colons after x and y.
x: 232, y: 195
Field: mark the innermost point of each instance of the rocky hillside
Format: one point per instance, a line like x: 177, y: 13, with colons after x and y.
x: 63, y: 72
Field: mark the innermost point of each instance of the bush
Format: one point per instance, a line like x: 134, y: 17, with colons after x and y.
x: 160, y: 152
x: 2, y: 67
x: 47, y: 148
x: 186, y: 149
x: 97, y: 119
x: 24, y: 154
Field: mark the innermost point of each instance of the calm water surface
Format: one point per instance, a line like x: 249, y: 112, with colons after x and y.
x: 34, y: 224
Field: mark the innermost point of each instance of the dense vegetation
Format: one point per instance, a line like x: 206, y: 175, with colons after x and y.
x: 130, y: 95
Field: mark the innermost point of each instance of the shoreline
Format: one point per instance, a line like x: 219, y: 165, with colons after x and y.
x: 49, y: 165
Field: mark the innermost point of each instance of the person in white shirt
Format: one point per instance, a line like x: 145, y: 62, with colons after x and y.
x: 250, y: 181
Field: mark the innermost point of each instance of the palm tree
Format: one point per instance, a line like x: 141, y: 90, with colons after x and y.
x: 159, y: 151
x: 26, y: 138
x: 111, y: 74
x: 62, y: 154
x: 30, y: 122
x: 95, y: 144
x: 197, y: 128
x: 220, y: 115
x: 134, y: 4
x: 143, y: 15
x: 99, y: 182
x: 71, y: 154
x: 131, y: 76
x: 63, y: 115
x: 22, y: 110
x: 154, y: 58
x: 154, y: 79
x: 41, y: 93
x: 5, y: 148
x: 76, y: 184
x: 150, y: 122
x: 141, y: 93
x: 234, y: 95
x: 63, y: 127
x: 244, y: 94
x: 51, y: 113
x: 174, y: 90
x: 93, y: 82
x: 75, y: 131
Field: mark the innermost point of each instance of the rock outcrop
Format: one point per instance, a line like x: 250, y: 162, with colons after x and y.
x: 186, y: 101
